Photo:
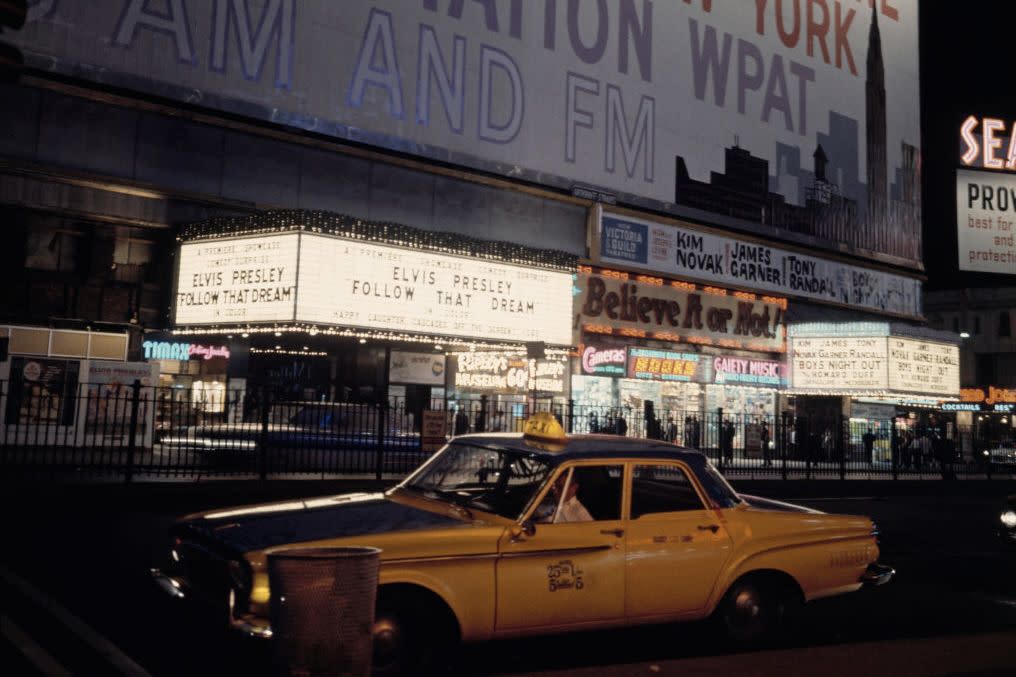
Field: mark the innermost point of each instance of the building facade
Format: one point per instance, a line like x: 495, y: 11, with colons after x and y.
x: 350, y: 200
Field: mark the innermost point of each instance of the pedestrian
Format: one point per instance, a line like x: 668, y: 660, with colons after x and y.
x: 764, y: 435
x: 869, y: 446
x: 827, y: 444
x: 946, y: 458
x: 727, y: 440
x: 671, y: 434
x: 461, y: 421
x: 621, y: 427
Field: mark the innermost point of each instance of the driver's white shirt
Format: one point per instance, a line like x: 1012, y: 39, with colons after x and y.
x: 572, y: 510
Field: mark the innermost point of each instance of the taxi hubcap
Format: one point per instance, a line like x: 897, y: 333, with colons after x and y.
x: 747, y: 608
x: 387, y: 641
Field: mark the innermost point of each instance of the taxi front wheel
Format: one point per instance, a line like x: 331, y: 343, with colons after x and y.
x: 409, y: 637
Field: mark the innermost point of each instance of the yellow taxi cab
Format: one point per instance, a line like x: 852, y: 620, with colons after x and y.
x: 501, y: 535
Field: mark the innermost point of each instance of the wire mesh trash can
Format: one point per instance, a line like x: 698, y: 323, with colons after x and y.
x: 322, y: 610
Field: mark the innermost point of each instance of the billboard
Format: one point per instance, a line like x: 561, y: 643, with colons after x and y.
x: 610, y: 302
x: 986, y: 221
x: 728, y: 260
x: 797, y: 118
x: 333, y: 281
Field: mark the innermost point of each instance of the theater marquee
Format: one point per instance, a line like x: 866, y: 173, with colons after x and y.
x: 312, y: 279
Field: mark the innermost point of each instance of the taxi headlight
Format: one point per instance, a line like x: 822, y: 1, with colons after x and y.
x: 1009, y: 518
x: 260, y: 593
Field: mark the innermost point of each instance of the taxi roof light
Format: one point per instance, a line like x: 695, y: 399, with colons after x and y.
x: 545, y: 427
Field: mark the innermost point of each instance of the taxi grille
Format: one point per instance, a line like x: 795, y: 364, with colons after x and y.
x: 207, y: 573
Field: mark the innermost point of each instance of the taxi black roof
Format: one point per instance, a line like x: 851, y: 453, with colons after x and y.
x: 580, y: 447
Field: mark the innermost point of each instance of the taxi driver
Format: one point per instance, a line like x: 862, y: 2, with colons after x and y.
x: 566, y: 507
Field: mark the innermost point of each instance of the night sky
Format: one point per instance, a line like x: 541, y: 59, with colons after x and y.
x: 968, y: 67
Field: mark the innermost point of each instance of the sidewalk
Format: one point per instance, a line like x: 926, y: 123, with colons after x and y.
x: 983, y: 654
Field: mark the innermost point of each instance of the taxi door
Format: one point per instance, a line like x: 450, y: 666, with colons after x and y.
x: 566, y: 573
x: 676, y: 547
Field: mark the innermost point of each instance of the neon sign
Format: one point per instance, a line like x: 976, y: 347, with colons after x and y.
x: 170, y: 350
x: 992, y: 150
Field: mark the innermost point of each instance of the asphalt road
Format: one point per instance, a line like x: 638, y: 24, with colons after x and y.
x: 88, y: 555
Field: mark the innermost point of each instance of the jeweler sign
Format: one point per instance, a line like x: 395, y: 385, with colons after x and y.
x: 327, y: 280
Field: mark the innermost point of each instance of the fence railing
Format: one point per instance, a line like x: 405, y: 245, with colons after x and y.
x: 131, y: 430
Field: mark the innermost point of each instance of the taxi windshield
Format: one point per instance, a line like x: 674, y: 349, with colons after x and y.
x: 488, y: 478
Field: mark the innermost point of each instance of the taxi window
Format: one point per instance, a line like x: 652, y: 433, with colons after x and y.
x: 661, y: 488
x: 591, y: 493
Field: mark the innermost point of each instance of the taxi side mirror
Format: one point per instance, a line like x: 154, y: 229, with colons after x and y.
x: 526, y: 529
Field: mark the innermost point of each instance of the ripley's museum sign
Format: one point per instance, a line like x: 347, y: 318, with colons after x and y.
x: 623, y: 304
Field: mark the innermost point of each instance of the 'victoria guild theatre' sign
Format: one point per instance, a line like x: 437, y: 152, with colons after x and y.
x: 623, y: 304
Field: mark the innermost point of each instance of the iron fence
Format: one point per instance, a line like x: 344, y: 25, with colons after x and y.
x: 126, y: 431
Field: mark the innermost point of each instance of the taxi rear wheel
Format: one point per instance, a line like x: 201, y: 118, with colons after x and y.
x: 758, y: 610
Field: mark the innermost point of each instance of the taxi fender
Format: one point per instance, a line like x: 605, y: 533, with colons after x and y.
x: 780, y: 559
x: 475, y: 616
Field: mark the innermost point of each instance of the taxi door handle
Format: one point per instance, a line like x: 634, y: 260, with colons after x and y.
x: 616, y: 532
x: 709, y: 527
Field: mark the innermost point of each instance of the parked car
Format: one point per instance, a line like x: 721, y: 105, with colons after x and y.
x: 1003, y: 456
x: 301, y: 436
x: 501, y: 535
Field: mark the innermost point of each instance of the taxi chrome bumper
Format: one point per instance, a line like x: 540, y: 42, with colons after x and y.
x: 877, y: 574
x: 172, y: 586
x: 179, y: 588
